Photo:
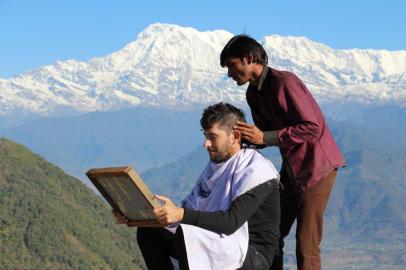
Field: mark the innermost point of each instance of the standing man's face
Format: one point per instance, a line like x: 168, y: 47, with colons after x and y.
x: 239, y: 70
x: 220, y: 145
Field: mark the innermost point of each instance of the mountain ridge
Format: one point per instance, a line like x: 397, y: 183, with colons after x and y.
x: 178, y: 67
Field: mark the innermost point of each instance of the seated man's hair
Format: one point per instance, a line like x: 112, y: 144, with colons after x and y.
x: 241, y: 46
x: 223, y: 114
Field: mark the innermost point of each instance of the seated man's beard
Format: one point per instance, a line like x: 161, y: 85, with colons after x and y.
x: 218, y: 156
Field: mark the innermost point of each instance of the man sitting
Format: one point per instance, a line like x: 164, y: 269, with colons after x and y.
x: 230, y: 220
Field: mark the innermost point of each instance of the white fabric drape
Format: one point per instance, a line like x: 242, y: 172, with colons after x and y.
x: 217, y: 186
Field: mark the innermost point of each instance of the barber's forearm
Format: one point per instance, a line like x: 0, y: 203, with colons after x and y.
x: 292, y: 135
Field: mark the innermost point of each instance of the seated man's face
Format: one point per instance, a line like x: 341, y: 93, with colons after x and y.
x: 220, y: 144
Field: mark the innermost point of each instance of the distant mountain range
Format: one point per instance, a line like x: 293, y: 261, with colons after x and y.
x: 178, y: 67
x: 141, y: 137
x: 147, y: 137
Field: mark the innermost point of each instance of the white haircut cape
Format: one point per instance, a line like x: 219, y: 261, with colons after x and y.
x: 217, y: 186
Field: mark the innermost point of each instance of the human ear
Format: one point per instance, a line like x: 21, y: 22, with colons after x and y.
x: 236, y: 136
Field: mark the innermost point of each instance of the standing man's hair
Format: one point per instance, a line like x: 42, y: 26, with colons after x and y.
x: 243, y: 46
x: 223, y: 114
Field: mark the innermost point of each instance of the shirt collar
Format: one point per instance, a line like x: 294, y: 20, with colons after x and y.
x: 262, y: 78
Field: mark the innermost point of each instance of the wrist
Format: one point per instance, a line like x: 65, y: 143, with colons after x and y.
x: 181, y: 213
x: 271, y: 138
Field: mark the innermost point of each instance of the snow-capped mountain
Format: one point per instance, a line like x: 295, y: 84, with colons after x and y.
x: 172, y: 66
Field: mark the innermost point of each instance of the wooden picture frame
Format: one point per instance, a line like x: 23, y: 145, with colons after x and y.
x: 125, y: 191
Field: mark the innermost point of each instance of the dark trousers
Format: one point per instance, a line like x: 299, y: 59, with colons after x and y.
x: 254, y: 260
x: 307, y: 208
x: 157, y: 244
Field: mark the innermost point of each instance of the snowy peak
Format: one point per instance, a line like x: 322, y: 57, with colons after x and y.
x: 173, y: 66
x: 303, y: 51
x: 365, y: 76
x: 169, y: 46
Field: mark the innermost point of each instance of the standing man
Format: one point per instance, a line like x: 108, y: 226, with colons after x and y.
x: 286, y: 115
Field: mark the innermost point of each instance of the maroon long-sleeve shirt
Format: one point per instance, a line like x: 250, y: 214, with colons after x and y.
x: 283, y: 108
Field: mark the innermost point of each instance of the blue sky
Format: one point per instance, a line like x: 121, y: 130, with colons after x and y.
x: 36, y: 33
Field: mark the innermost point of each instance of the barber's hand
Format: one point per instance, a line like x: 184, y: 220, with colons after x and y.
x: 250, y: 133
x: 120, y: 219
x: 168, y: 213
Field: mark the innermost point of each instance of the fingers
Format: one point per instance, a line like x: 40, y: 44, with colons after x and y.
x: 163, y: 198
x: 162, y: 215
x: 249, y: 132
x: 161, y: 211
x: 168, y: 213
x: 246, y: 133
x: 120, y: 218
x: 243, y: 124
x: 164, y: 220
x: 244, y: 128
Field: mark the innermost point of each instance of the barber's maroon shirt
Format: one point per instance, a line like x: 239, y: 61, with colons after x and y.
x: 282, y: 103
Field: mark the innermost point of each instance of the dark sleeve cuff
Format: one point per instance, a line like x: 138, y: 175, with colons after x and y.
x: 190, y: 216
x: 271, y: 138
